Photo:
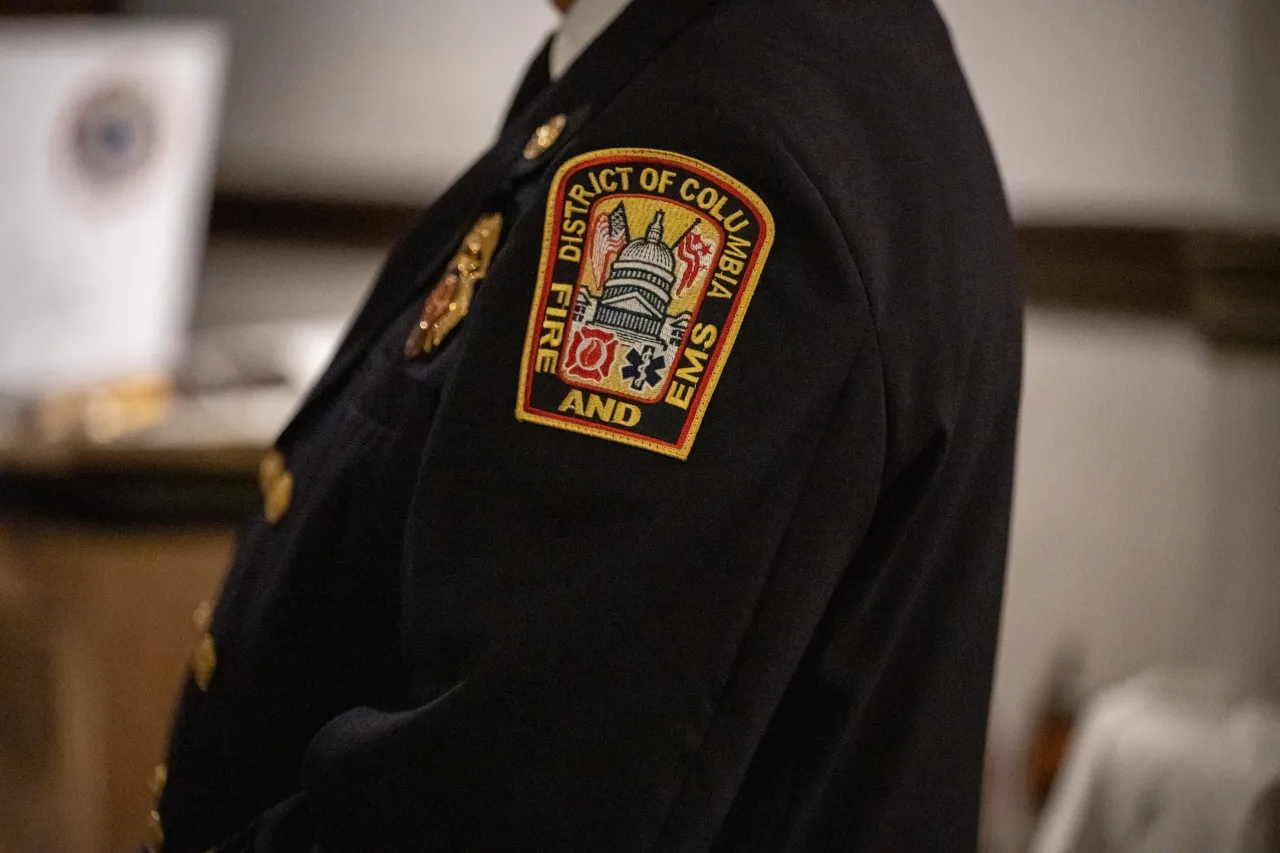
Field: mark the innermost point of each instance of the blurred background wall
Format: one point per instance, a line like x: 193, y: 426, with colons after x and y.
x: 378, y: 99
x: 1151, y: 110
x: 1136, y: 472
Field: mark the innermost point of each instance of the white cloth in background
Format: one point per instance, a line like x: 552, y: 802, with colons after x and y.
x: 585, y: 20
x: 1169, y: 763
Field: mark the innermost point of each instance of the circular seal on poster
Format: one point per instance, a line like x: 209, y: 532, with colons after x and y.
x: 114, y: 135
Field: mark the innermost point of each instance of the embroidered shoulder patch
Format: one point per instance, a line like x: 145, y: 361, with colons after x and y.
x: 649, y: 260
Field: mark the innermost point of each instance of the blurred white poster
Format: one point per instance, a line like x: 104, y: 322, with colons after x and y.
x: 107, y: 135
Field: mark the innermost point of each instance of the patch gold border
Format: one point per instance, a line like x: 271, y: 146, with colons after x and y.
x: 693, y: 420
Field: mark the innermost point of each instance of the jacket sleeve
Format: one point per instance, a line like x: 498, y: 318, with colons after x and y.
x: 596, y: 630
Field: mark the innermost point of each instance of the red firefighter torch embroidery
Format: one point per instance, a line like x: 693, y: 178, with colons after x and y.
x: 590, y: 355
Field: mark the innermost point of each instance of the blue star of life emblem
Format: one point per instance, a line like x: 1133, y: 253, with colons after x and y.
x: 643, y: 368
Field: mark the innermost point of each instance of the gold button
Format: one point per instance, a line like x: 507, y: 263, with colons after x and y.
x: 204, y: 660
x: 159, y: 776
x: 277, y: 497
x: 202, y: 617
x: 544, y: 137
x: 155, y: 831
x: 276, y: 484
x: 272, y: 466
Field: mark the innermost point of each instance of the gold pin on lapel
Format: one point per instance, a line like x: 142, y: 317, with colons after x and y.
x: 450, y: 300
x: 544, y: 137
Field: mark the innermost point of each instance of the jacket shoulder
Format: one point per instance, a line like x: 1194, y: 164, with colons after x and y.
x: 861, y: 108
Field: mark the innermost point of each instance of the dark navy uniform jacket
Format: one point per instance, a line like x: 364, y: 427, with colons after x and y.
x: 471, y: 631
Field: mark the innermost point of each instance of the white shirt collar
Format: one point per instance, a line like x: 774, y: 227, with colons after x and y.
x: 584, y: 21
